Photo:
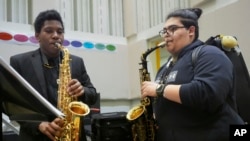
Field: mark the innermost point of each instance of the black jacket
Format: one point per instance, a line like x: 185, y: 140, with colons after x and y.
x: 205, y: 114
x: 29, y: 65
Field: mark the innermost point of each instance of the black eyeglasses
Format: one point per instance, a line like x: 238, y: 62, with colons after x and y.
x: 170, y: 30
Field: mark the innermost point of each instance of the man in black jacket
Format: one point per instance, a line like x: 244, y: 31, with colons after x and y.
x: 40, y: 68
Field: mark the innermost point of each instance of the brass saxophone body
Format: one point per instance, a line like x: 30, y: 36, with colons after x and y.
x: 72, y: 109
x: 141, y: 116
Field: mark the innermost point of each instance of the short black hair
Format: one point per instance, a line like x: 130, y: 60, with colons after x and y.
x: 44, y: 16
x: 189, y: 17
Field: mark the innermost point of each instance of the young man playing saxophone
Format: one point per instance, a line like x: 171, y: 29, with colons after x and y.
x: 40, y: 68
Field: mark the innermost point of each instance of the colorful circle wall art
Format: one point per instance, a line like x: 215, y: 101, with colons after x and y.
x: 22, y: 38
x: 100, y: 46
x: 76, y: 44
x: 33, y: 40
x: 66, y: 42
x: 88, y: 45
x: 110, y: 47
x: 5, y: 36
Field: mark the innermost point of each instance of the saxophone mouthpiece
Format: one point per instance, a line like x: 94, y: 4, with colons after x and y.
x: 161, y: 44
x: 58, y: 45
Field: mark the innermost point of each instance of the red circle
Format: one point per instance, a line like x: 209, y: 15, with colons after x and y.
x: 5, y: 36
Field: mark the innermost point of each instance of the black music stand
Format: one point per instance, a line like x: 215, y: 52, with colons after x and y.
x: 20, y: 101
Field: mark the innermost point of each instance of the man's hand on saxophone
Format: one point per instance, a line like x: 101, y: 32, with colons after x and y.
x: 52, y: 129
x: 75, y: 88
x: 148, y: 88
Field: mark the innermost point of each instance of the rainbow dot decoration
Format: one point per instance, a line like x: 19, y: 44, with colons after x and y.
x: 22, y: 38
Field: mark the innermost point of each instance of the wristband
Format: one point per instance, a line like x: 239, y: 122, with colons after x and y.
x: 160, y: 89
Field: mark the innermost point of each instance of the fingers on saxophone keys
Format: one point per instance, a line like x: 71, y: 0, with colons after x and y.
x: 56, y: 138
x: 80, y: 90
x: 57, y: 134
x: 59, y: 122
x: 51, y: 133
x: 52, y: 137
x: 77, y: 92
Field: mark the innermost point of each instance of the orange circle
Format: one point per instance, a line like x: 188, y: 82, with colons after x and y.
x: 5, y: 36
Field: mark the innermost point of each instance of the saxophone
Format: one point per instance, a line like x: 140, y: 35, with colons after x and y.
x: 141, y: 116
x: 72, y: 109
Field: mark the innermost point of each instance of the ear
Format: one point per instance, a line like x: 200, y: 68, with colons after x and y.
x: 191, y: 30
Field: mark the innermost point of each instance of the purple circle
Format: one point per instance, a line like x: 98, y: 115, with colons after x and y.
x: 21, y: 38
x: 33, y: 39
x: 66, y: 43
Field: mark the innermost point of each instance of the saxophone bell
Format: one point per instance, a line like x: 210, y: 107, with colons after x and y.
x: 135, y: 112
x: 79, y: 108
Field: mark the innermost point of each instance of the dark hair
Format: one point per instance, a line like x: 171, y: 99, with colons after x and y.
x: 44, y: 16
x: 189, y: 17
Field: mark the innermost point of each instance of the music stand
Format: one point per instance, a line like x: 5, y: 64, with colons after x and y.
x: 20, y: 101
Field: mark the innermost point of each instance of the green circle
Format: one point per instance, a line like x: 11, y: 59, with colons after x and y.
x: 110, y: 47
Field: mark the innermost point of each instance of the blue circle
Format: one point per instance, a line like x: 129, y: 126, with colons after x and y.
x: 76, y: 44
x: 88, y: 45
